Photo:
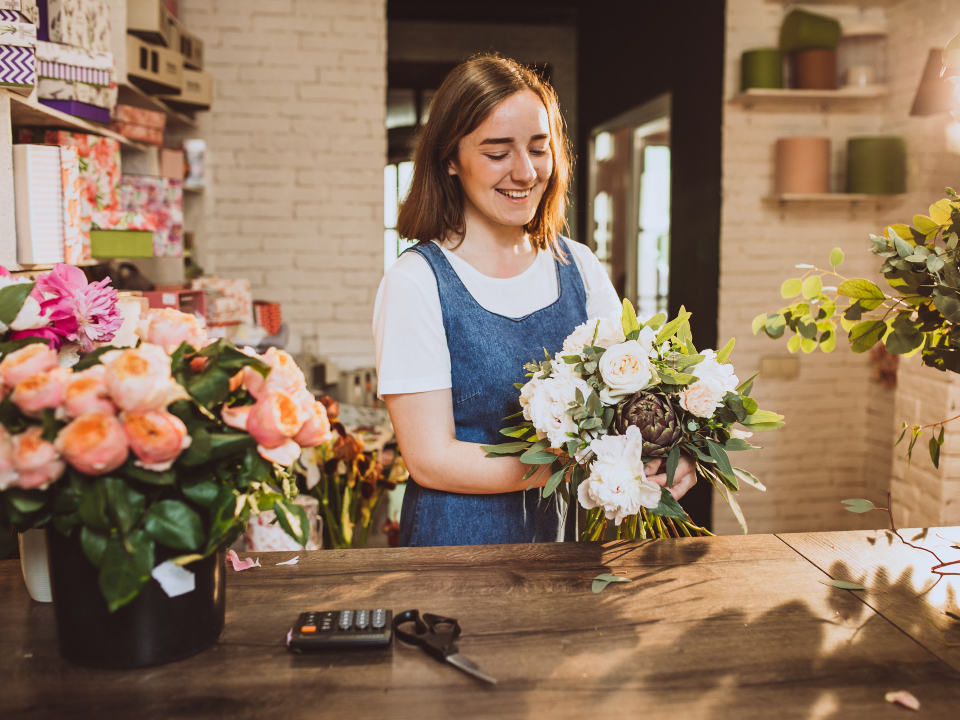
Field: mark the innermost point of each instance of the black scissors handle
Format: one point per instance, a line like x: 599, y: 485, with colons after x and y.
x: 434, y: 633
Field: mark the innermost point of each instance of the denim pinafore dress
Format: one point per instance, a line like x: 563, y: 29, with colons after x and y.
x: 487, y: 355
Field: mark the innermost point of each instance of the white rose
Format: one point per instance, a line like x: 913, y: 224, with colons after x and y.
x: 740, y: 434
x: 547, y: 404
x: 617, y: 482
x: 609, y: 333
x: 626, y: 369
x: 714, y: 381
x: 647, y: 340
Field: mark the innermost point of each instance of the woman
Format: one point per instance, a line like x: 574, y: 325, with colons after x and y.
x: 488, y: 286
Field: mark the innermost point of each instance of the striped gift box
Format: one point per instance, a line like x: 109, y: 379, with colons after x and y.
x: 38, y: 191
x: 17, y: 67
x: 58, y: 71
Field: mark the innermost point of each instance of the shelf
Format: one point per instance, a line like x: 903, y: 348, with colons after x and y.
x: 130, y: 94
x: 30, y: 113
x: 832, y: 198
x: 768, y: 97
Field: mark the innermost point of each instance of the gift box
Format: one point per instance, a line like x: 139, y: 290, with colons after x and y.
x: 30, y: 10
x: 81, y: 23
x: 171, y: 164
x: 191, y: 47
x: 18, y: 42
x: 163, y: 199
x: 187, y: 301
x: 79, y: 109
x: 196, y: 92
x: 122, y: 234
x: 38, y: 203
x: 172, y: 7
x: 153, y: 68
x: 148, y: 135
x: 76, y: 236
x: 99, y: 167
x: 17, y: 31
x: 267, y: 315
x: 228, y: 300
x: 65, y: 90
x: 139, y: 124
x: 152, y: 21
x: 63, y: 62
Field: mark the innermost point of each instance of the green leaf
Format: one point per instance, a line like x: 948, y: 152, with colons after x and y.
x: 26, y: 501
x: 94, y: 544
x: 253, y: 469
x: 759, y: 323
x: 746, y: 386
x: 858, y: 506
x: 506, y: 448
x: 948, y: 305
x: 791, y: 288
x: 828, y: 341
x: 673, y: 460
x: 812, y: 287
x: 656, y: 321
x: 836, y: 257
x: 123, y: 573
x: 149, y: 477
x: 749, y: 478
x: 91, y: 359
x: 208, y: 446
x: 553, y: 482
x: 724, y: 354
x: 842, y: 584
x: 538, y: 458
x: 201, y: 490
x: 293, y: 519
x: 723, y: 462
x: 860, y: 289
x: 865, y: 335
x: 760, y: 417
x: 669, y: 507
x: 935, y: 263
x: 174, y: 524
x: 925, y: 225
x: 516, y: 432
x: 904, y: 249
x: 600, y: 582
x: 668, y: 330
x: 124, y: 504
x: 12, y: 298
x: 211, y: 387
x: 775, y: 325
x: 904, y: 339
x: 934, y: 448
x: 93, y: 505
x: 222, y: 517
x: 629, y: 318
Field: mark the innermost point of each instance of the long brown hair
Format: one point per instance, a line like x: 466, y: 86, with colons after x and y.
x: 433, y: 209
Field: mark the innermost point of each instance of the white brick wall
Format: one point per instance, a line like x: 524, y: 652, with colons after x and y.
x: 297, y: 146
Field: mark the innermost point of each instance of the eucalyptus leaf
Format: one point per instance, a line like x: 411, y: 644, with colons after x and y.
x: 836, y: 257
x: 858, y: 506
x: 601, y: 581
x: 842, y: 584
x: 749, y: 478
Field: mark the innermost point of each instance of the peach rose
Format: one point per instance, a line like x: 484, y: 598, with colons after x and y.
x: 236, y: 417
x: 157, y: 438
x: 316, y: 430
x: 8, y: 473
x: 94, y: 443
x: 284, y: 375
x: 41, y: 391
x: 35, y: 460
x: 285, y: 454
x: 27, y: 361
x: 86, y: 391
x: 170, y: 328
x: 139, y: 380
x: 236, y: 381
x: 275, y: 419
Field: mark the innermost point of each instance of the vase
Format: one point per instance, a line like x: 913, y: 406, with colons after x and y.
x: 152, y: 629
x: 33, y: 562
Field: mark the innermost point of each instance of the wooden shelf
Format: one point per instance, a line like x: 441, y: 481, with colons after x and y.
x: 30, y: 113
x: 130, y: 94
x: 766, y: 97
x: 832, y: 198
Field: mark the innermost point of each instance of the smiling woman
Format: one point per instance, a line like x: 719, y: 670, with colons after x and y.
x: 489, y: 286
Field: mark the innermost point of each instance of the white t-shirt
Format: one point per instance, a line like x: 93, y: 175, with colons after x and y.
x: 411, y: 344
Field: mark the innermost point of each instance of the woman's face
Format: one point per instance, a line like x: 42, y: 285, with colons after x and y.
x: 504, y: 164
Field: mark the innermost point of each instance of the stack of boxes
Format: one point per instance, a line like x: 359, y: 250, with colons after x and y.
x: 18, y: 45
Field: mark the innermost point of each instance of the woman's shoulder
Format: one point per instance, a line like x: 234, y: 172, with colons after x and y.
x: 580, y: 252
x: 410, y: 267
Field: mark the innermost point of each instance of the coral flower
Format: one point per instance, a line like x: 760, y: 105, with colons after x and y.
x: 94, y: 443
x: 41, y: 391
x: 156, y: 438
x: 35, y: 460
x: 82, y: 312
x: 138, y: 380
x: 275, y: 419
x: 284, y: 375
x: 170, y: 328
x: 86, y: 392
x: 316, y: 430
x: 27, y: 361
x: 285, y: 454
x: 236, y: 417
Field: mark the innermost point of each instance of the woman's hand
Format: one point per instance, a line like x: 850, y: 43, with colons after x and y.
x: 683, y: 479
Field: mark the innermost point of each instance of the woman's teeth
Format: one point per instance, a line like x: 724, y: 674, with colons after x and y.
x: 514, y: 193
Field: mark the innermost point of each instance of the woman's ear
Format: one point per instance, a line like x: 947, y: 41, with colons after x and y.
x: 451, y: 168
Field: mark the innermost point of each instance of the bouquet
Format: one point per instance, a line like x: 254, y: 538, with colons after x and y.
x: 620, y: 394
x: 166, y: 448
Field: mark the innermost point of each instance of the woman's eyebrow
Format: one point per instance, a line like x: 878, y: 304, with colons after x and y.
x: 508, y: 140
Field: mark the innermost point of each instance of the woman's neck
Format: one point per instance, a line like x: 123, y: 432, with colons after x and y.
x: 498, y: 251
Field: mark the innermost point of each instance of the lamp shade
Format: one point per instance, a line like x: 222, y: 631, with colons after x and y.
x: 876, y: 165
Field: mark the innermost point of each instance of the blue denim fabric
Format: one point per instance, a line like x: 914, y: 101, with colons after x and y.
x: 487, y: 355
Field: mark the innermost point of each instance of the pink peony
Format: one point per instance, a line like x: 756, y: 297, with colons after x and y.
x: 275, y: 419
x: 284, y: 375
x: 8, y: 473
x: 236, y: 417
x: 316, y: 430
x: 170, y: 328
x: 35, y: 460
x: 139, y: 380
x: 27, y: 361
x: 49, y: 334
x: 94, y: 443
x: 157, y: 438
x: 82, y: 312
x: 285, y: 454
x: 86, y: 392
x: 41, y: 391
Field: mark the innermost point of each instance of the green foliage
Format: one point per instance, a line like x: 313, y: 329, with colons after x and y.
x: 859, y: 506
x: 600, y: 582
x: 12, y: 298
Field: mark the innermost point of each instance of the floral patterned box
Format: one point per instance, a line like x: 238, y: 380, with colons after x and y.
x: 83, y: 23
x: 76, y: 242
x: 162, y: 198
x: 63, y: 62
x: 229, y: 301
x: 101, y: 97
x: 122, y: 234
x: 17, y: 32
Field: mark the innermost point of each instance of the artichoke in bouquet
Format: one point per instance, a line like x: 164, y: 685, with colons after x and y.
x: 655, y: 417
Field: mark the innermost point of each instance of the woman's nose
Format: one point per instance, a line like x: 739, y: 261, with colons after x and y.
x: 523, y: 170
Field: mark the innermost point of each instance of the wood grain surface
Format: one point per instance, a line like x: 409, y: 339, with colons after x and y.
x: 727, y: 627
x: 899, y: 583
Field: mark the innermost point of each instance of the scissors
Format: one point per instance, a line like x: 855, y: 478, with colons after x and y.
x: 435, y: 634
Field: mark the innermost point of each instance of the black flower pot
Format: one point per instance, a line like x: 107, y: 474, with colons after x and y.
x: 153, y: 629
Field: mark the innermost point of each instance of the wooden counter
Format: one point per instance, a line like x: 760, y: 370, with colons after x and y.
x: 727, y: 627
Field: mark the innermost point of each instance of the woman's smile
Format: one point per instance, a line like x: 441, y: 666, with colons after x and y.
x: 516, y: 196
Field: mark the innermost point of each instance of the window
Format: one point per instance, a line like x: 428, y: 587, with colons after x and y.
x: 396, y: 183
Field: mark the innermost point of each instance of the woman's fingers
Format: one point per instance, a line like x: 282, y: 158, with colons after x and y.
x: 684, y: 478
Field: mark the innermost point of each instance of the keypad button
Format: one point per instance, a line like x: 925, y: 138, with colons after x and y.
x: 363, y: 619
x: 308, y: 629
x: 379, y: 618
x: 346, y: 619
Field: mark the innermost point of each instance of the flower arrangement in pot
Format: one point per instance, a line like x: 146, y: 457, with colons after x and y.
x: 144, y: 464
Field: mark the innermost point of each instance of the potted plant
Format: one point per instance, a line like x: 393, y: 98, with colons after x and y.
x: 143, y: 464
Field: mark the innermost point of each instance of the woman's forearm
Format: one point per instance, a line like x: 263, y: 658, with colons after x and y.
x: 462, y: 467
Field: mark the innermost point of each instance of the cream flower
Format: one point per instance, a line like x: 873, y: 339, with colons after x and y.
x: 284, y: 375
x: 625, y: 369
x: 617, y: 482
x: 41, y: 392
x: 94, y: 443
x: 35, y: 460
x: 27, y: 361
x: 609, y: 333
x: 157, y: 438
x: 714, y: 381
x: 139, y: 380
x: 170, y: 328
x: 547, y: 404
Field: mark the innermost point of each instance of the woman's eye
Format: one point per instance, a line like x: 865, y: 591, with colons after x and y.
x: 497, y: 157
x: 538, y: 153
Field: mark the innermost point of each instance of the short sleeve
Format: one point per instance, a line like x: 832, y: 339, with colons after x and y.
x: 410, y: 342
x: 602, y: 299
